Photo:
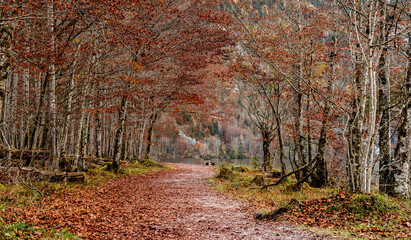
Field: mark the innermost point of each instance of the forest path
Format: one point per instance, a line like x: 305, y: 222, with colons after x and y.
x: 170, y: 204
x: 189, y: 208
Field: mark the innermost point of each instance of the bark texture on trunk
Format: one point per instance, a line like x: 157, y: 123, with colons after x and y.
x: 5, y: 56
x: 54, y: 164
x: 119, y: 133
x: 149, y: 142
x: 385, y: 179
x: 281, y: 146
x: 266, y: 152
x: 401, y: 164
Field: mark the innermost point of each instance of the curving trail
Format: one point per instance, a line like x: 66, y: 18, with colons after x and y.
x: 175, y: 204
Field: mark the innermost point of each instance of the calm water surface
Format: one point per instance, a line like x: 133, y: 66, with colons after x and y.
x: 198, y: 161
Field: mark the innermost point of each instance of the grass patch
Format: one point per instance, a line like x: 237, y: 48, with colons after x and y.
x: 224, y: 171
x: 240, y: 185
x: 325, y: 209
x: 20, y: 230
x: 98, y: 176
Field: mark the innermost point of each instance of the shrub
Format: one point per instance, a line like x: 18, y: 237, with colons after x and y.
x: 255, y: 164
x: 366, y: 204
x: 224, y: 171
x: 240, y: 168
x: 150, y: 163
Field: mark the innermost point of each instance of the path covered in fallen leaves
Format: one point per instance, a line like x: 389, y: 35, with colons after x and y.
x: 171, y: 204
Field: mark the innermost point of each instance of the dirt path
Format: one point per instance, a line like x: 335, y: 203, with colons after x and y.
x: 175, y: 204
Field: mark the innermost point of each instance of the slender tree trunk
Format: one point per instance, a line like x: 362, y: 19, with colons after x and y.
x: 68, y: 119
x: 5, y: 56
x: 125, y: 140
x: 320, y: 157
x: 141, y: 138
x: 98, y: 136
x: 321, y: 172
x: 281, y: 146
x: 85, y: 142
x: 54, y: 164
x: 354, y: 135
x: 81, y: 131
x: 385, y: 180
x: 266, y: 167
x: 13, y: 111
x: 119, y: 133
x: 363, y: 125
x: 27, y: 100
x: 401, y: 164
x: 43, y: 140
x: 130, y: 147
x: 309, y: 145
x: 80, y: 134
x: 149, y: 143
x: 298, y: 138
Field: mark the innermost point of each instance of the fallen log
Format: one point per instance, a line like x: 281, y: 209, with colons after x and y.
x: 26, y: 154
x: 28, y: 173
x: 75, y: 177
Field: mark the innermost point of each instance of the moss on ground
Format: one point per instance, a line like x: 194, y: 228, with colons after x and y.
x: 324, y: 209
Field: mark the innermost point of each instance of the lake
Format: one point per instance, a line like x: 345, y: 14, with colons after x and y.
x: 199, y: 161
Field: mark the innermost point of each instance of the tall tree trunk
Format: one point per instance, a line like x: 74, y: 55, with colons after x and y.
x: 385, y: 164
x: 67, y: 120
x: 52, y: 95
x: 5, y: 56
x: 298, y: 138
x: 149, y: 142
x: 320, y: 157
x: 299, y: 112
x: 309, y: 145
x: 364, y: 124
x: 321, y: 172
x: 13, y: 110
x: 26, y: 101
x: 119, y: 133
x: 385, y: 180
x: 130, y: 153
x: 141, y: 131
x: 281, y: 146
x: 98, y: 149
x: 401, y: 164
x: 266, y: 167
x: 81, y: 131
x: 8, y: 124
x: 85, y: 142
x: 354, y: 135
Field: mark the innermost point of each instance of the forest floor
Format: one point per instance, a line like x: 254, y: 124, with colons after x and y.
x: 168, y: 204
x: 327, y: 210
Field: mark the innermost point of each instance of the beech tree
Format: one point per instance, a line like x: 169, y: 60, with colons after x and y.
x: 289, y: 42
x: 89, y: 76
x: 370, y: 32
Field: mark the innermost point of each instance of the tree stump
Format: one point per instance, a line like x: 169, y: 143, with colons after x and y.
x: 259, y: 180
x: 75, y: 177
x: 276, y: 173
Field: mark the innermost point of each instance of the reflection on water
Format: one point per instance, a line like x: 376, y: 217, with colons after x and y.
x: 197, y: 161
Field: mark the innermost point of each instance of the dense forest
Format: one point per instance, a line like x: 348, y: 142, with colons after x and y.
x: 319, y: 89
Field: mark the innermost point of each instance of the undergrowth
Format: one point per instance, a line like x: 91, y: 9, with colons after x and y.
x: 15, y: 196
x: 20, y: 230
x: 368, y: 216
